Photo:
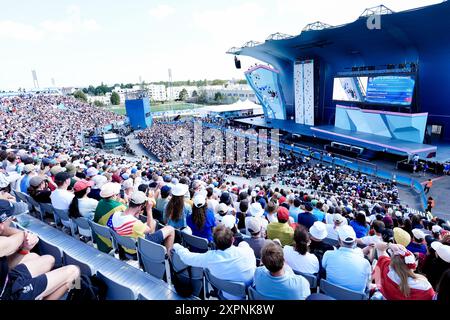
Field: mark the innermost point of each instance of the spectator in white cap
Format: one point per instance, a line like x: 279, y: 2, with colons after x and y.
x: 256, y: 241
x: 332, y: 229
x: 317, y: 233
x: 222, y: 211
x: 202, y: 220
x: 99, y: 181
x: 257, y: 212
x: 347, y: 267
x: 177, y: 209
x: 91, y: 172
x: 417, y: 244
x: 127, y: 189
x: 298, y: 256
x: 437, y: 262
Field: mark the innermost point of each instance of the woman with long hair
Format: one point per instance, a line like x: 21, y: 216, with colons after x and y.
x: 395, y: 276
x: 82, y: 205
x: 359, y: 224
x: 298, y: 256
x: 177, y: 209
x: 202, y: 220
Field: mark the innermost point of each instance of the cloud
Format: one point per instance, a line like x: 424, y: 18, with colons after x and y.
x: 11, y: 30
x: 162, y: 11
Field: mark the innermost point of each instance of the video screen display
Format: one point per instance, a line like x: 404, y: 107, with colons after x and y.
x: 392, y: 90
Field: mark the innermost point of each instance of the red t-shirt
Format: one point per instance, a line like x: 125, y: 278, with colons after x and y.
x: 389, y: 284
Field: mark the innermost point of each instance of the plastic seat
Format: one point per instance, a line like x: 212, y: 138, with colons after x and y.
x: 153, y: 258
x: 194, y: 243
x: 188, y: 275
x: 83, y: 227
x: 47, y: 248
x: 255, y: 295
x: 47, y: 208
x: 84, y: 268
x: 101, y: 231
x: 66, y: 221
x: 312, y: 278
x: 340, y: 293
x: 116, y: 291
x: 234, y: 288
x: 122, y: 243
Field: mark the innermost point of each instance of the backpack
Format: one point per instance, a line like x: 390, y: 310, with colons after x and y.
x: 182, y: 282
x: 90, y: 289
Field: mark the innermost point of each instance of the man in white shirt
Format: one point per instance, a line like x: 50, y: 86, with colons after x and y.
x: 378, y: 227
x: 332, y: 229
x: 227, y: 262
x: 61, y: 198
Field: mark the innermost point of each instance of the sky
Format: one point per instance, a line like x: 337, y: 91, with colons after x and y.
x: 82, y: 42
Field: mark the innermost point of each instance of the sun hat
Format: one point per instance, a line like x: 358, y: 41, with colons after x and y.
x: 180, y: 189
x: 99, y: 181
x: 229, y: 221
x: 109, y: 189
x: 199, y: 200
x: 442, y: 250
x: 256, y: 209
x: 318, y: 230
x: 418, y: 234
x: 346, y: 234
x: 337, y: 217
x: 401, y: 237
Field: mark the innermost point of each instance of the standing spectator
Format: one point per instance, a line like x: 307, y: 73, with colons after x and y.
x: 298, y: 257
x: 347, y: 267
x: 428, y: 186
x: 276, y: 280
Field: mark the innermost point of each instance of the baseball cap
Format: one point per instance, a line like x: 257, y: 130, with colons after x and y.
x: 436, y: 229
x: 256, y: 209
x: 229, y: 221
x: 99, y: 181
x: 318, y: 230
x: 62, y: 176
x: 55, y: 170
x: 222, y: 208
x: 138, y: 197
x: 109, y: 189
x: 36, y: 181
x: 346, y: 234
x: 91, y: 172
x: 180, y: 189
x: 418, y: 234
x: 199, y: 200
x: 442, y: 250
x: 253, y: 225
x: 283, y: 214
x: 28, y: 168
x: 165, y: 189
x: 337, y: 217
x: 6, y: 210
x: 127, y: 184
x: 401, y: 237
x: 82, y: 185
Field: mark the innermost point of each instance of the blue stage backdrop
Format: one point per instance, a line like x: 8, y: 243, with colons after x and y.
x: 138, y: 111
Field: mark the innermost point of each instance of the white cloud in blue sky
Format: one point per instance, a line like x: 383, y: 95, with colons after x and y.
x: 81, y: 42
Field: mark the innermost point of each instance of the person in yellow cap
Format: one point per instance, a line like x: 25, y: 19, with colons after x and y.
x: 401, y: 237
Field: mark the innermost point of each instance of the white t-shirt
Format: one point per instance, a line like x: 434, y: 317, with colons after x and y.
x: 272, y: 217
x: 368, y: 240
x: 212, y: 204
x: 61, y: 199
x: 86, y: 207
x: 332, y: 232
x: 307, y: 263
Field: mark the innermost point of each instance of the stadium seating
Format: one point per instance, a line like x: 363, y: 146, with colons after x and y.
x: 189, y: 275
x: 255, y: 295
x: 312, y: 279
x: 47, y: 248
x: 194, y: 243
x: 220, y: 286
x: 340, y: 293
x: 153, y: 258
x: 101, y: 231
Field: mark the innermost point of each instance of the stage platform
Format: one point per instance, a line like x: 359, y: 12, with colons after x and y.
x: 360, y: 139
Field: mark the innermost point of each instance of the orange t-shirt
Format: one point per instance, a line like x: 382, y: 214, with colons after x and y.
x: 430, y: 184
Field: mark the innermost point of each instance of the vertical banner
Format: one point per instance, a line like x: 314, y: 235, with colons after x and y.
x: 304, y: 92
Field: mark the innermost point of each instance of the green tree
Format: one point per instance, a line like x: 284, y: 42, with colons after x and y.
x: 203, y: 97
x: 98, y: 103
x: 218, y: 96
x: 115, y: 98
x: 80, y: 95
x: 183, y: 94
x: 244, y: 81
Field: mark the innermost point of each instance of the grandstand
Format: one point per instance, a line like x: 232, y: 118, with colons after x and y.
x: 231, y: 211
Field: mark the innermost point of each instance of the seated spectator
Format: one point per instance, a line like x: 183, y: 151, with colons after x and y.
x: 417, y: 244
x: 281, y: 230
x: 332, y: 229
x: 378, y: 228
x: 99, y: 181
x: 276, y: 280
x: 177, y: 209
x: 401, y: 237
x: 222, y: 211
x: 81, y: 205
x: 298, y: 257
x: 443, y: 290
x: 437, y: 262
x: 306, y: 218
x: 347, y: 267
x: 61, y: 198
x: 25, y: 275
x: 256, y: 211
x: 202, y: 220
x: 435, y: 234
x: 271, y: 212
x: 242, y: 213
x: 360, y: 225
x: 106, y: 207
x: 126, y: 223
x: 212, y: 201
x: 395, y: 277
x: 28, y: 172
x: 218, y: 261
x: 294, y: 209
x: 318, y: 213
x: 256, y: 242
x: 39, y: 189
x: 163, y: 200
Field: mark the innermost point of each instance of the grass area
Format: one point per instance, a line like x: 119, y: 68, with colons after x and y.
x: 158, y: 107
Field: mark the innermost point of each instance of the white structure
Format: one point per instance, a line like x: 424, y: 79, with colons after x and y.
x: 174, y: 92
x: 230, y: 91
x: 157, y: 92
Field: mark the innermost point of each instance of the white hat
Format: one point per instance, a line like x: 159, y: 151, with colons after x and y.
x: 337, y: 217
x: 318, y: 230
x: 109, y: 189
x: 256, y: 210
x: 442, y: 250
x: 91, y: 172
x: 418, y: 234
x: 222, y: 207
x: 138, y: 197
x: 436, y: 229
x: 99, y: 181
x: 399, y: 214
x: 179, y: 189
x: 291, y: 197
x: 199, y: 200
x: 127, y: 184
x: 346, y: 234
x: 253, y: 225
x: 229, y: 221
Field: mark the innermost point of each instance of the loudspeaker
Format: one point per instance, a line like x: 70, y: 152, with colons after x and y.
x: 237, y: 63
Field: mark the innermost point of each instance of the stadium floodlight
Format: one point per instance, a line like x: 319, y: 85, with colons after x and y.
x: 378, y: 10
x: 318, y: 25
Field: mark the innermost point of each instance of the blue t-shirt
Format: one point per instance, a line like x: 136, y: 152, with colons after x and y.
x: 294, y: 212
x: 306, y: 219
x: 24, y: 184
x: 320, y: 215
x: 206, y: 231
x: 287, y: 287
x: 180, y: 223
x: 417, y: 247
x: 360, y: 230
